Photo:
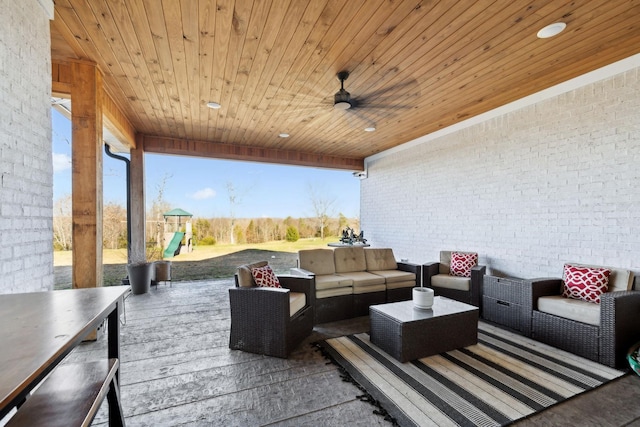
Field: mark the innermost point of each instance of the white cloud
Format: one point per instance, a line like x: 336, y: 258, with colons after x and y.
x: 205, y: 193
x: 61, y: 162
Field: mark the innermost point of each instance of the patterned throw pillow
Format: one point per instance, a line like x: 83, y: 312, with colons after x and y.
x: 461, y: 264
x: 585, y: 283
x: 265, y: 277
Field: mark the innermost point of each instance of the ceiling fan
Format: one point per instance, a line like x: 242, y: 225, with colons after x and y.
x: 365, y: 110
x: 368, y: 111
x: 342, y: 99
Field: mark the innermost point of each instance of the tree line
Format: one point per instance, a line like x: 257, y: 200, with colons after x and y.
x: 206, y: 231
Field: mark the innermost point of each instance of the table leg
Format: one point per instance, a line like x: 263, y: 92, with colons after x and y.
x: 116, y: 417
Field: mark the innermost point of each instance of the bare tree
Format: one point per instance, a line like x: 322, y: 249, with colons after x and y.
x: 235, y: 199
x: 62, y: 223
x: 321, y: 204
x: 158, y: 207
x: 114, y: 226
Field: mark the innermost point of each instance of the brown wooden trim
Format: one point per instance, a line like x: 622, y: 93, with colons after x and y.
x: 117, y: 122
x: 61, y: 78
x: 183, y: 147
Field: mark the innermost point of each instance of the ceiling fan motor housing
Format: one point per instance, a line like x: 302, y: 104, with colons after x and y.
x: 342, y: 98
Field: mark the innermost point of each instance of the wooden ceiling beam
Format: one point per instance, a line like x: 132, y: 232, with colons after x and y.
x: 114, y: 119
x: 182, y: 147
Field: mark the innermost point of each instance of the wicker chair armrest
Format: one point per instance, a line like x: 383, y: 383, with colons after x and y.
x: 429, y: 270
x: 620, y: 303
x: 410, y: 267
x: 303, y: 284
x: 297, y: 271
x: 477, y: 280
x: 260, y: 303
x: 544, y: 287
x: 619, y: 319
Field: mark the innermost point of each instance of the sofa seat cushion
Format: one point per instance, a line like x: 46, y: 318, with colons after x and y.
x: 398, y: 285
x: 334, y: 292
x: 330, y: 281
x: 367, y: 289
x: 363, y: 278
x: 391, y: 276
x: 451, y: 282
x: 318, y: 261
x: 297, y: 301
x: 572, y: 309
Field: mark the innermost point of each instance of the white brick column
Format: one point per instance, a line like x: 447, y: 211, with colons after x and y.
x: 26, y: 181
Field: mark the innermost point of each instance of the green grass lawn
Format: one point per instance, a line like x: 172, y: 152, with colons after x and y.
x: 205, y: 262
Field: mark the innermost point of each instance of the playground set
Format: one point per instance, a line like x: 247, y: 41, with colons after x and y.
x: 174, y: 239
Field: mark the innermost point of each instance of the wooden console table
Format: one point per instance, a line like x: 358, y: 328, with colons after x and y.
x: 40, y: 329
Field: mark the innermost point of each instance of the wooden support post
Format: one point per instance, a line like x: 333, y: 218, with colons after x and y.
x: 86, y: 142
x: 138, y: 220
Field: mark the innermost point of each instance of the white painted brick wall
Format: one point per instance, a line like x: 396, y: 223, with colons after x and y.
x: 26, y: 186
x: 552, y: 182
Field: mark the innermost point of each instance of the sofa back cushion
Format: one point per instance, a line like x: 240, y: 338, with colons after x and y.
x: 245, y: 278
x: 380, y: 259
x: 318, y: 261
x: 349, y: 259
x: 619, y: 279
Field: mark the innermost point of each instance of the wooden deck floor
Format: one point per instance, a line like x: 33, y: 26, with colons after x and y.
x: 177, y: 370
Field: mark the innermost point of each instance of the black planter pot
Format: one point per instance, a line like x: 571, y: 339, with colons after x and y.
x: 140, y: 277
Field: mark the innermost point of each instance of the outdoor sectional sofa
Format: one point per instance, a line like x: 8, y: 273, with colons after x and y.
x: 347, y: 280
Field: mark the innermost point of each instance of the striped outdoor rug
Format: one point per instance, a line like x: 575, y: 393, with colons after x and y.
x: 503, y: 378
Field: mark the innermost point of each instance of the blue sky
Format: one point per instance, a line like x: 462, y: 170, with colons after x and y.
x: 199, y: 186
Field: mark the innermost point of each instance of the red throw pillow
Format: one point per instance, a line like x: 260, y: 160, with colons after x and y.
x: 265, y: 277
x: 461, y: 263
x: 585, y: 283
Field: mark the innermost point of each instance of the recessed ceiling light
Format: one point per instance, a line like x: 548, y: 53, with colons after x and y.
x: 213, y: 105
x: 370, y: 129
x: 284, y: 135
x: 551, y: 30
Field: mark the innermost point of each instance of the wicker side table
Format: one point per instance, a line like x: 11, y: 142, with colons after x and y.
x: 507, y: 302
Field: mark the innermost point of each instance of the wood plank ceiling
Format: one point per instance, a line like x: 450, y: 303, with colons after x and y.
x: 415, y: 67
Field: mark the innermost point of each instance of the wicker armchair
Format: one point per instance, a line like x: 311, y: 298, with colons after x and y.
x: 608, y: 340
x: 261, y: 321
x: 468, y: 291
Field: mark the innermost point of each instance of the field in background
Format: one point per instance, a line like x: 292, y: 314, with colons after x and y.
x: 205, y: 262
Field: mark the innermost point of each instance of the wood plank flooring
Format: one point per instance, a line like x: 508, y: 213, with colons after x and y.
x: 177, y: 370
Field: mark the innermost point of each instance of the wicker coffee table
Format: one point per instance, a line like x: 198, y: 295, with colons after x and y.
x: 409, y: 333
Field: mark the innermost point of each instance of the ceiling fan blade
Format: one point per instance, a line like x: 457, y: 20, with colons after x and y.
x: 406, y: 87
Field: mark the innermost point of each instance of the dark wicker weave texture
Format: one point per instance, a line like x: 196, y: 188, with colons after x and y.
x: 607, y: 343
x: 507, y: 301
x: 421, y: 338
x: 260, y: 321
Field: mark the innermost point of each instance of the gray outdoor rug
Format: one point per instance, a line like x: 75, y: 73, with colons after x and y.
x: 505, y: 377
